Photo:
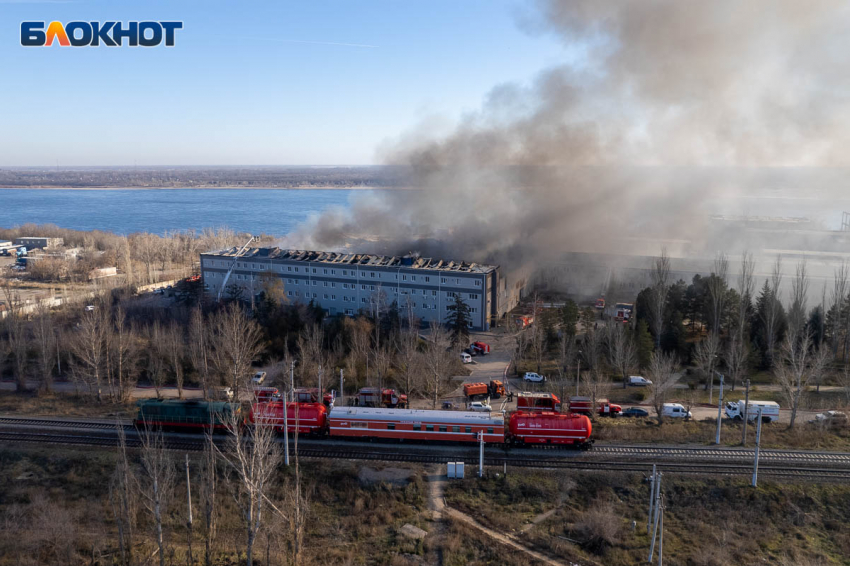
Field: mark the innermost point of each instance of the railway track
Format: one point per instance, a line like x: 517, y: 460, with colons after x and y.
x: 652, y: 454
x: 523, y: 460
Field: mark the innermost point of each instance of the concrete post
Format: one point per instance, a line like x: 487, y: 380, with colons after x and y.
x: 758, y: 444
x: 719, y: 409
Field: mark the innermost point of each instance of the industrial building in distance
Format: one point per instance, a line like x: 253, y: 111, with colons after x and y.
x: 33, y: 242
x: 346, y: 283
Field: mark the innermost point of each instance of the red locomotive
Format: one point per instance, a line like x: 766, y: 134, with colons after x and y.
x: 307, y: 418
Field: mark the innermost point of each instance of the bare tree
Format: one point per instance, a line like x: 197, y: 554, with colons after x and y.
x: 717, y: 290
x: 839, y: 298
x: 157, y: 356
x: 237, y: 342
x: 174, y: 349
x: 408, y: 360
x: 88, y: 345
x: 736, y: 356
x: 16, y: 332
x: 800, y: 363
x: 705, y: 358
x: 771, y: 315
x: 566, y: 359
x: 122, y: 499
x: 660, y: 277
x: 298, y: 503
x: 45, y: 339
x: 438, y: 360
x: 156, y: 482
x: 199, y: 345
x: 125, y: 355
x: 663, y: 369
x: 252, y: 458
x: 537, y: 337
x: 622, y: 350
x: 207, y: 493
x: 312, y: 353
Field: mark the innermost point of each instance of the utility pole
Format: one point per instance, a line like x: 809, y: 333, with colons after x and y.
x: 719, y: 408
x: 292, y: 380
x: 189, y: 522
x: 655, y: 518
x: 321, y: 393
x: 652, y: 480
x: 758, y: 444
x: 661, y: 538
x: 746, y: 409
x: 481, y: 455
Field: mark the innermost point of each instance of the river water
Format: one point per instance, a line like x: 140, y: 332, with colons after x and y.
x: 256, y: 211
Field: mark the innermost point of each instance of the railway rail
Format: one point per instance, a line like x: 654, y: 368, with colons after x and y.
x: 524, y: 460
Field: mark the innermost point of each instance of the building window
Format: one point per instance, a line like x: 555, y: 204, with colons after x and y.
x: 404, y: 277
x: 289, y: 268
x: 433, y: 293
x: 349, y: 312
x: 345, y: 272
x: 326, y: 296
x: 333, y: 297
x: 363, y: 300
x: 443, y: 280
x: 333, y: 285
x: 325, y: 271
x: 325, y: 283
x: 296, y: 270
x: 473, y: 295
x: 289, y: 293
x: 477, y: 283
x: 457, y: 280
x: 371, y: 287
x: 362, y: 287
x: 314, y: 270
x: 333, y: 271
x: 315, y: 283
x: 427, y: 280
x: 372, y: 274
x: 473, y: 309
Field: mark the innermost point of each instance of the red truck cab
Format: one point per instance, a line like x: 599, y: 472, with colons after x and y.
x: 529, y: 401
x: 582, y: 405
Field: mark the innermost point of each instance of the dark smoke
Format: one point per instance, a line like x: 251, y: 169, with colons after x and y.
x: 673, y: 106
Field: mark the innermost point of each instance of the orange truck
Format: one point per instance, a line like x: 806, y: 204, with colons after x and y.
x: 494, y: 389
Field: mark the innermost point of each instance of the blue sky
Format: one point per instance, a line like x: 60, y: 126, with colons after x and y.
x: 243, y: 86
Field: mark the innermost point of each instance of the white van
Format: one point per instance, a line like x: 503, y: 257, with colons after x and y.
x: 769, y: 410
x: 638, y: 381
x: 675, y: 410
x: 465, y: 358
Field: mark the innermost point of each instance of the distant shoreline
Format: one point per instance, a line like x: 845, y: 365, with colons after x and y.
x: 312, y: 188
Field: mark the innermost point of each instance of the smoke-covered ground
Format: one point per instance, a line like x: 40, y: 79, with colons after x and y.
x: 665, y: 111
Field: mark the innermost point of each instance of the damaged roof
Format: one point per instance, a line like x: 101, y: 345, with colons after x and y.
x: 409, y: 261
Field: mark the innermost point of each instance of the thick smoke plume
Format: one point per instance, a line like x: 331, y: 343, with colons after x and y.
x: 663, y: 107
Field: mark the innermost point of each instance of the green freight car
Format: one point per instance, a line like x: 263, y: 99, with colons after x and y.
x: 190, y: 415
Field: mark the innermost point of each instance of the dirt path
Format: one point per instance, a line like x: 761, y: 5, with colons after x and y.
x: 439, y: 509
x: 436, y: 505
x: 507, y: 540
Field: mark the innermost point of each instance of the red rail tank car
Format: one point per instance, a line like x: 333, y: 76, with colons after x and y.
x: 550, y: 428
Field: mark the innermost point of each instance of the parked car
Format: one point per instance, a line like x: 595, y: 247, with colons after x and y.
x: 258, y: 378
x: 635, y: 412
x: 479, y: 406
x: 465, y: 358
x: 638, y: 381
x: 222, y: 394
x: 831, y: 419
x: 535, y: 377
